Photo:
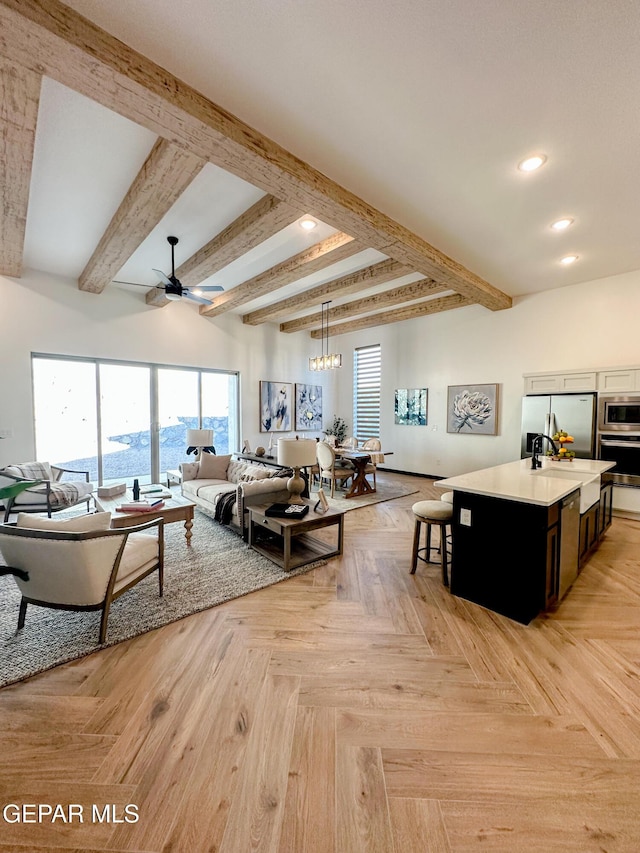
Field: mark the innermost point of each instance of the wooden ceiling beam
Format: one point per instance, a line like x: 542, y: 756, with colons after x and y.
x: 164, y: 176
x: 386, y: 299
x: 421, y: 309
x: 19, y: 100
x: 261, y: 221
x: 60, y: 43
x: 335, y: 248
x: 379, y: 273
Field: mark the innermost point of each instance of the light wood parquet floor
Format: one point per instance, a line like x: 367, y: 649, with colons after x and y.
x: 354, y: 709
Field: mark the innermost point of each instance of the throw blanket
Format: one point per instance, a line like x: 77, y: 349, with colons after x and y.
x: 64, y: 494
x: 224, y: 507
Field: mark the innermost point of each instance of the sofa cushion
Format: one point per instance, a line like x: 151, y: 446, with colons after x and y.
x: 61, y: 494
x: 193, y: 488
x: 79, y: 524
x: 213, y: 467
x: 255, y: 472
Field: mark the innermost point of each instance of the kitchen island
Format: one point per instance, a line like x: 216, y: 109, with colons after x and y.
x: 520, y: 536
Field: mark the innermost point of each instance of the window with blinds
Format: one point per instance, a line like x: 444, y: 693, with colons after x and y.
x: 367, y: 366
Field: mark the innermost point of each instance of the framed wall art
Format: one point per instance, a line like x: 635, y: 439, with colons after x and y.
x: 472, y: 409
x: 411, y: 406
x: 276, y: 406
x: 308, y: 406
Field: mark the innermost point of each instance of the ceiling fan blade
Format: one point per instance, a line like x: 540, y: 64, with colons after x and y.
x: 210, y: 288
x: 193, y: 298
x: 163, y: 278
x: 133, y: 283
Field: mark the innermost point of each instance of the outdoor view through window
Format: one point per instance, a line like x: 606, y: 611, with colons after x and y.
x: 97, y: 415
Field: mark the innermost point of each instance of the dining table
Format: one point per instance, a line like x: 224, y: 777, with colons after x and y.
x: 359, y: 483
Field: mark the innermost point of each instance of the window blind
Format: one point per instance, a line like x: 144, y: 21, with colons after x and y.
x: 367, y: 369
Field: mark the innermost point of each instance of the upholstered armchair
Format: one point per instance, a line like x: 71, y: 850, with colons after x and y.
x: 50, y: 494
x: 326, y: 457
x: 79, y: 563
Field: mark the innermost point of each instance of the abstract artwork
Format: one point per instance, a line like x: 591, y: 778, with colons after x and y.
x: 411, y: 406
x: 276, y: 405
x: 473, y: 409
x: 308, y: 406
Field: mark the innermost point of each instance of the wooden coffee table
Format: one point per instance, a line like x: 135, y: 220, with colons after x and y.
x: 176, y: 508
x: 286, y: 541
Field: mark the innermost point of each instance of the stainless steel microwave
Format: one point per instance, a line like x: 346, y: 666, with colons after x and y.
x: 619, y: 413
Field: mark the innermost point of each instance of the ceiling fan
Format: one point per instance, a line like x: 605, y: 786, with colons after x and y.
x: 173, y: 287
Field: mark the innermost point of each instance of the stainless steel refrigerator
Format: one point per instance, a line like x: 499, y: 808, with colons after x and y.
x: 574, y: 413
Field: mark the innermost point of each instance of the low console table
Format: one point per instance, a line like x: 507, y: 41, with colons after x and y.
x: 286, y: 541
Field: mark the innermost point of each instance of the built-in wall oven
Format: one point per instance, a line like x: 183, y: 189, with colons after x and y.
x: 619, y: 437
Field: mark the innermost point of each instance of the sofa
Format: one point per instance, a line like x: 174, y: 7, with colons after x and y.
x: 223, y: 487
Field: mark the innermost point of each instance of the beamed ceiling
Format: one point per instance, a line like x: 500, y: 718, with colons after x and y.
x: 179, y: 164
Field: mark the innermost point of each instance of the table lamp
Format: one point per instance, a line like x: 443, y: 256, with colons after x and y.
x: 199, y: 440
x: 296, y: 453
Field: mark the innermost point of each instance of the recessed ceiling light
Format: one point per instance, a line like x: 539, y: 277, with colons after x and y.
x: 561, y: 224
x: 530, y: 164
x: 569, y: 259
x: 308, y: 224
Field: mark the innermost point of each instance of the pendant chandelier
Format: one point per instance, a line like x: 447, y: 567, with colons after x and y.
x: 326, y: 360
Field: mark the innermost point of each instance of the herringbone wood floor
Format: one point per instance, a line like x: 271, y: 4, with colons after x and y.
x: 355, y: 708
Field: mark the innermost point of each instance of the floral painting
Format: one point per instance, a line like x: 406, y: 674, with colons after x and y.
x: 411, y: 406
x: 308, y: 406
x: 473, y: 409
x: 276, y: 406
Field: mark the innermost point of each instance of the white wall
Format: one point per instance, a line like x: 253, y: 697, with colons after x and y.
x: 43, y: 313
x: 583, y: 326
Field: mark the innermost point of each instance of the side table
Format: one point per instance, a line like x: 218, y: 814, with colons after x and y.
x: 286, y: 541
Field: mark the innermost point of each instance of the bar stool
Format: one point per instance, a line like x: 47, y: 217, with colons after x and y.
x: 430, y: 513
x: 447, y: 496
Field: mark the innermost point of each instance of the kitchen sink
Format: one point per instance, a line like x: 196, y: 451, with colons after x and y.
x: 589, y: 488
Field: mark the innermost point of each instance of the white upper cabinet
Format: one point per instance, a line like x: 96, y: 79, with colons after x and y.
x: 611, y: 381
x: 553, y: 383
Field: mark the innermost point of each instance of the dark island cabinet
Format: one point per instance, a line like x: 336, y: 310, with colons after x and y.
x: 506, y: 554
x: 606, y: 505
x: 589, y: 533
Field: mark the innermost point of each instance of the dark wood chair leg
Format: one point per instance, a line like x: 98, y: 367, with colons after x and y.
x: 443, y: 553
x: 416, y: 543
x: 22, y: 613
x: 103, y: 621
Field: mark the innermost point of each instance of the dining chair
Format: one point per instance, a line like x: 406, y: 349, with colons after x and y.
x: 326, y: 456
x: 374, y: 448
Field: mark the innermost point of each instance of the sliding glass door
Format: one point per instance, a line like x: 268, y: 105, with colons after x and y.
x: 123, y: 421
x: 125, y: 416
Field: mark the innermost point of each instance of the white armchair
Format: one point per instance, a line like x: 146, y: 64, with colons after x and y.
x: 50, y: 493
x: 80, y: 564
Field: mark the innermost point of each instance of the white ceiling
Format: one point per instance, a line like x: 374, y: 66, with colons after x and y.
x: 423, y: 108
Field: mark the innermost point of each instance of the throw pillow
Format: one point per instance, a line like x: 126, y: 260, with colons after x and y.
x: 213, y: 467
x: 255, y: 472
x: 78, y: 524
x: 31, y: 470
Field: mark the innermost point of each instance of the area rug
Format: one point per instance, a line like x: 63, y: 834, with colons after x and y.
x: 384, y: 492
x: 217, y: 567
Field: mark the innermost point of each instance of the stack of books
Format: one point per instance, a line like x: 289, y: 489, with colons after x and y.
x: 154, y: 491
x: 141, y: 506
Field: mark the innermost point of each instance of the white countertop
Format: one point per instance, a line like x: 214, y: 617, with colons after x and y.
x: 518, y: 482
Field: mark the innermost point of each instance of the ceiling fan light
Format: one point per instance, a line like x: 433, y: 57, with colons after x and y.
x: 561, y: 224
x: 530, y: 164
x: 174, y: 297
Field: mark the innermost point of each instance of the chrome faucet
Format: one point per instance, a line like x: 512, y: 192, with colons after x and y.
x: 535, y: 462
